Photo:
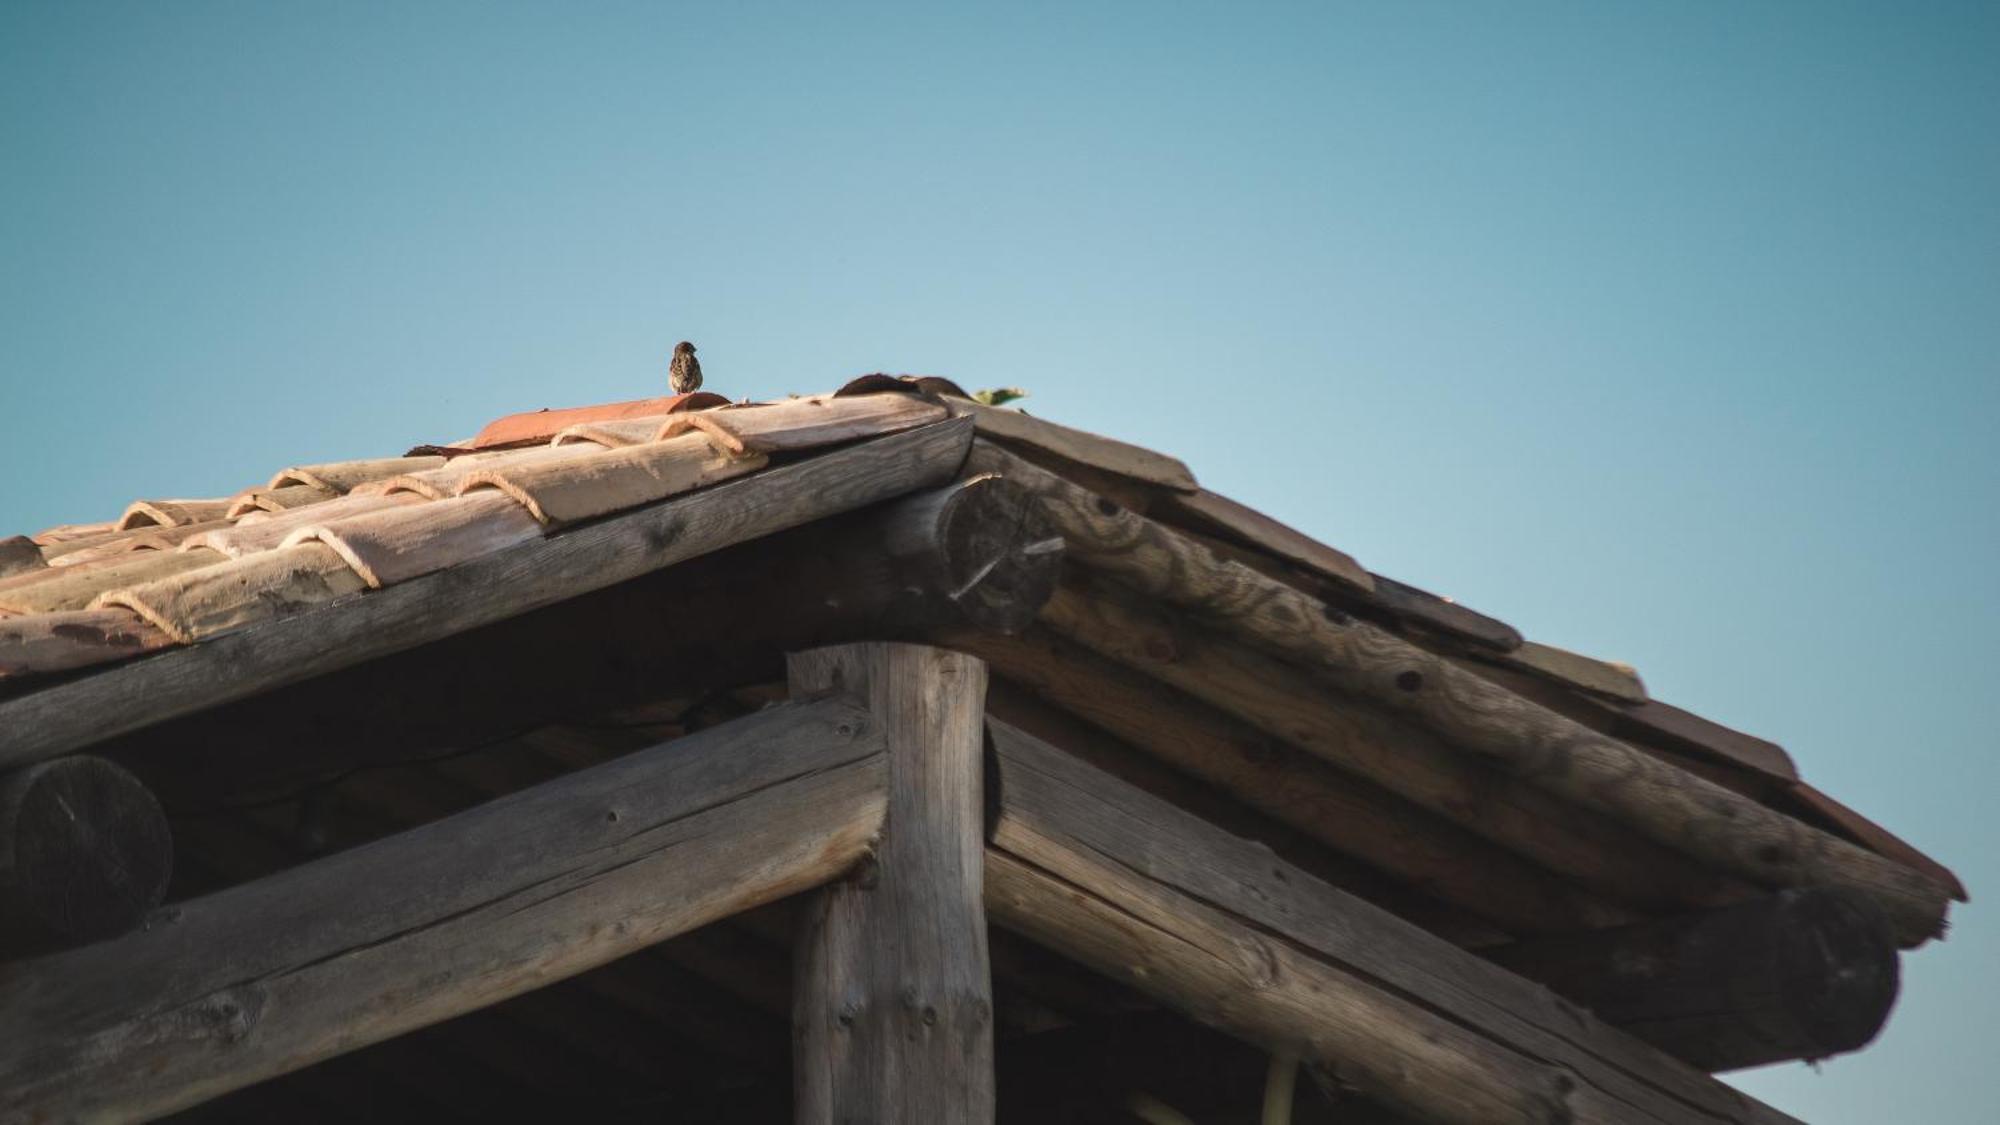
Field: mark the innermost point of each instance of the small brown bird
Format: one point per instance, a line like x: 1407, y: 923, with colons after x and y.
x: 685, y: 371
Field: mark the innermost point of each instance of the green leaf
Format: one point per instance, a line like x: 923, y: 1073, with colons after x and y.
x: 999, y: 396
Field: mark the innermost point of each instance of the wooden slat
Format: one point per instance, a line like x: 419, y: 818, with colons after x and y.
x: 462, y: 913
x: 1656, y: 720
x: 1218, y: 514
x: 1235, y: 937
x: 1697, y: 817
x: 476, y: 593
x: 1082, y: 447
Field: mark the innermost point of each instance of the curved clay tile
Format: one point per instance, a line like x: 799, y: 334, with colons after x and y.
x: 541, y: 425
x: 235, y: 593
x: 803, y: 423
x: 59, y: 642
x: 343, y: 476
x: 171, y: 513
x: 405, y: 541
x: 599, y: 481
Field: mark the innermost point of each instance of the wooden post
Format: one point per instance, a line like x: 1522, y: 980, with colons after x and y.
x: 85, y: 853
x: 1800, y: 975
x: 276, y: 974
x: 893, y: 1004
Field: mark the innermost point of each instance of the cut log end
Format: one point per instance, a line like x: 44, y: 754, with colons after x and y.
x: 85, y: 854
x: 1001, y: 553
x: 1803, y: 974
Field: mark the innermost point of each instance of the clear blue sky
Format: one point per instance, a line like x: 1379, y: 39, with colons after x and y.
x: 1666, y: 333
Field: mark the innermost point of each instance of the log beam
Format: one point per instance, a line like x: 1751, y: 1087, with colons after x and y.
x: 465, y: 912
x: 893, y: 994
x: 1228, y: 934
x: 966, y: 555
x: 85, y: 854
x: 541, y: 572
x: 1720, y: 828
x: 1799, y: 975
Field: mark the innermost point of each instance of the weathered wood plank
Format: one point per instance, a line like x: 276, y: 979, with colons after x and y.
x: 1687, y: 813
x: 1348, y: 813
x: 893, y: 988
x: 364, y: 945
x: 1608, y: 863
x: 1228, y: 933
x: 1797, y: 975
x: 591, y: 557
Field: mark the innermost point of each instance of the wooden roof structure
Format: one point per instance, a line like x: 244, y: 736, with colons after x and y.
x: 877, y: 755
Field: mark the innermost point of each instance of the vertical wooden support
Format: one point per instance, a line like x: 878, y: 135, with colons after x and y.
x: 893, y: 997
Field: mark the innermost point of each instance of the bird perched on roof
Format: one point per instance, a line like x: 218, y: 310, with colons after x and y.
x: 685, y: 371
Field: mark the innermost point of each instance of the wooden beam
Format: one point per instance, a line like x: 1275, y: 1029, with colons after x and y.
x: 85, y: 854
x: 1223, y: 931
x: 273, y: 975
x: 1799, y: 975
x: 1723, y: 829
x: 893, y: 989
x: 1028, y: 709
x: 1267, y: 771
x: 504, y: 584
x: 966, y: 554
x: 1609, y: 869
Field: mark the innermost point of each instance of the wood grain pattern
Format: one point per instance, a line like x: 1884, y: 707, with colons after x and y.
x: 893, y: 987
x: 1714, y: 825
x: 273, y: 975
x: 498, y: 586
x: 1235, y: 937
x: 1348, y: 813
x: 1229, y: 519
x: 1609, y: 863
x: 1082, y: 447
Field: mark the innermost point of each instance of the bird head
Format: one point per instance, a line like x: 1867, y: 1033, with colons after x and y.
x: 683, y: 347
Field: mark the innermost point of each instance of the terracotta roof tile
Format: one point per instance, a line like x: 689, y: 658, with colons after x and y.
x: 206, y: 600
x: 75, y: 587
x: 400, y: 541
x: 344, y: 476
x: 63, y: 533
x: 591, y: 481
x: 541, y: 425
x: 804, y: 423
x: 171, y: 513
x: 59, y: 642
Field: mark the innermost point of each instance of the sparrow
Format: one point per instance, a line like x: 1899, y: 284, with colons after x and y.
x: 685, y: 371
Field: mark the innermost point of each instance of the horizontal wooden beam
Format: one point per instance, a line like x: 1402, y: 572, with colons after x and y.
x: 1799, y: 975
x: 967, y: 554
x: 504, y: 584
x: 416, y: 928
x: 1263, y: 766
x: 1721, y: 828
x: 1228, y: 934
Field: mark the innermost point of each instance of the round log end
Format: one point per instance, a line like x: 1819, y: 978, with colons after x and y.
x: 1839, y: 972
x: 1002, y: 555
x: 85, y: 853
